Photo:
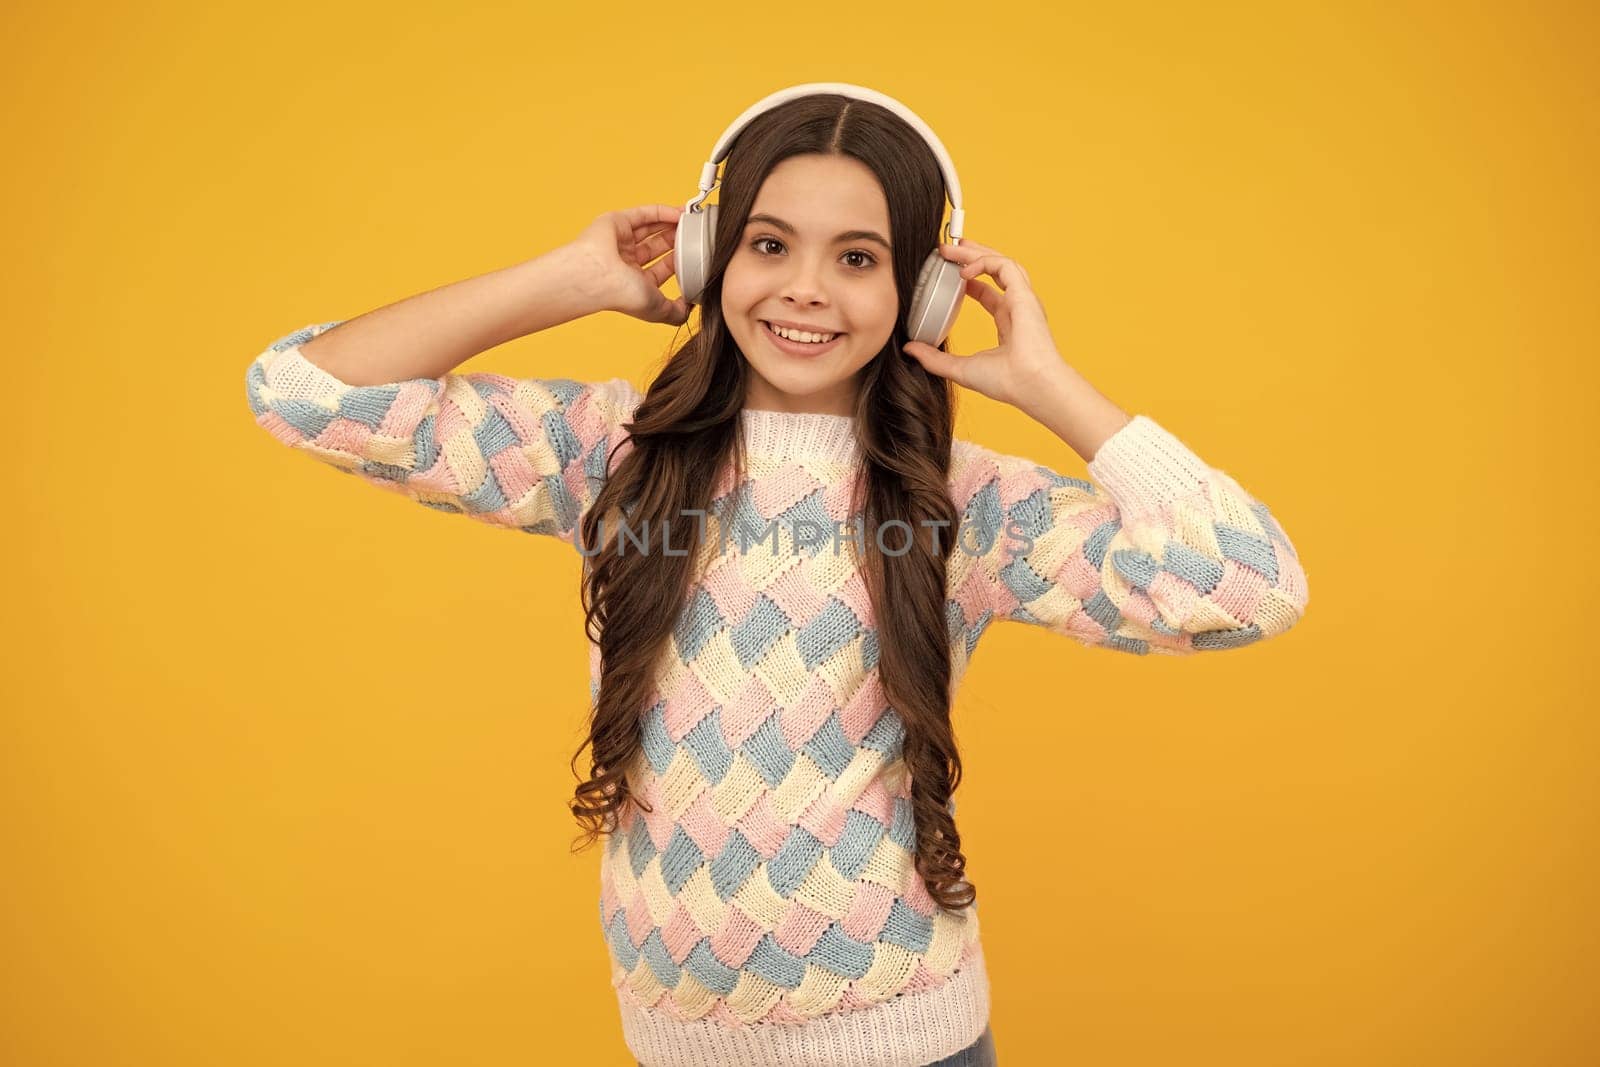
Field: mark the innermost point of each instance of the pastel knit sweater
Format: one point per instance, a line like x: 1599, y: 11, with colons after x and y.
x: 767, y: 911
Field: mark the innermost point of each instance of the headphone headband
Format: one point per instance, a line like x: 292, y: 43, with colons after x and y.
x: 952, y: 184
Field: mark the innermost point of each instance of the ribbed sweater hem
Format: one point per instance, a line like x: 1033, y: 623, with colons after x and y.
x: 909, y: 1030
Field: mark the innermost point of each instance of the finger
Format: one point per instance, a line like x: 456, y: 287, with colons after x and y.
x: 972, y: 253
x: 985, y: 294
x: 1004, y: 271
x: 968, y: 248
x: 651, y: 247
x: 661, y: 270
x: 646, y: 214
x: 937, y: 362
x: 650, y: 230
x: 985, y: 264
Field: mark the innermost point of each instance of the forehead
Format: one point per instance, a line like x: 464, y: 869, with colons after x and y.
x: 824, y: 193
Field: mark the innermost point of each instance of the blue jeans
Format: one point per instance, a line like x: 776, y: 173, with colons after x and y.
x: 978, y: 1054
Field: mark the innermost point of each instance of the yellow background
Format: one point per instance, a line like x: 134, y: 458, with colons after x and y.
x: 285, y: 757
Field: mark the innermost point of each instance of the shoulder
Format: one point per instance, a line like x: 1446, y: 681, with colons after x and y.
x: 973, y: 464
x: 964, y: 452
x: 617, y: 397
x: 976, y: 468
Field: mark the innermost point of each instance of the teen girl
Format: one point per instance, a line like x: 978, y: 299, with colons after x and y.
x: 772, y: 762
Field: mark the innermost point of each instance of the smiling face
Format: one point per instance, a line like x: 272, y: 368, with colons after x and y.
x: 815, y: 253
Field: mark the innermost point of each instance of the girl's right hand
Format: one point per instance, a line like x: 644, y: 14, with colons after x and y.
x: 617, y: 245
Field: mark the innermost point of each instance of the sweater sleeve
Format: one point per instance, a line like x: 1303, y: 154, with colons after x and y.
x: 1158, y: 552
x: 528, y: 454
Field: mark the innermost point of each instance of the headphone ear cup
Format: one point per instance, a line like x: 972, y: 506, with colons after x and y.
x: 691, y: 251
x: 935, y: 301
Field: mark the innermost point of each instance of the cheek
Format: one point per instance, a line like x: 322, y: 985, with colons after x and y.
x: 876, y: 311
x: 737, y: 288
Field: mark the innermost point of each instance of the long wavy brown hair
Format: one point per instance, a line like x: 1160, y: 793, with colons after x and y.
x: 686, y: 429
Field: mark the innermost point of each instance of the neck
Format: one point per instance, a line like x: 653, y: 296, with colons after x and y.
x: 839, y: 398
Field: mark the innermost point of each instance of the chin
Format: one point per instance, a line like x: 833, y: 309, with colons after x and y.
x: 795, y: 383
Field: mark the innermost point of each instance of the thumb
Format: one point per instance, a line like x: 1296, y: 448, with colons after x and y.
x: 659, y: 307
x: 677, y: 312
x: 934, y: 361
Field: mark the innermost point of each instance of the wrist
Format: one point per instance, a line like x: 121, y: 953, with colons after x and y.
x: 563, y: 284
x: 1074, y: 410
x: 1041, y: 390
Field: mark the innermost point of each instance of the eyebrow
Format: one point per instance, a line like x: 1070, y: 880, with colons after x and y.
x: 848, y: 235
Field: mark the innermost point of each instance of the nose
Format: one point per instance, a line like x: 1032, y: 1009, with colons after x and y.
x: 803, y: 286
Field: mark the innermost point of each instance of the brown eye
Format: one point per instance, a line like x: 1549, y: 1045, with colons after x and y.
x: 758, y: 244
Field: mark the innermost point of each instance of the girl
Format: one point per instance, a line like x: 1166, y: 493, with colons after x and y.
x: 772, y: 762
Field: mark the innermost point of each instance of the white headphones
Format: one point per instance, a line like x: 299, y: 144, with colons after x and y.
x: 940, y: 287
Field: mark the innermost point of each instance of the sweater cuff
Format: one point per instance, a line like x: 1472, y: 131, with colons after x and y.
x: 1146, y: 468
x: 293, y: 375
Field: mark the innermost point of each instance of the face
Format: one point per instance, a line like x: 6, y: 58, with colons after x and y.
x: 815, y: 253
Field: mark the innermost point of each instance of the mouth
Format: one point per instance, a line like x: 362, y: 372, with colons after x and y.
x: 803, y: 349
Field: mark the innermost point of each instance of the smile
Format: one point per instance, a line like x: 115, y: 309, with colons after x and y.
x: 799, y: 348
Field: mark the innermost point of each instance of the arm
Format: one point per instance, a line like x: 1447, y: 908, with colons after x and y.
x: 374, y: 396
x: 1166, y: 554
x: 1170, y: 556
x: 430, y: 334
x: 528, y: 454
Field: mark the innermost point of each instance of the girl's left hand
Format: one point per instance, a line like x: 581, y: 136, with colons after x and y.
x: 1025, y: 357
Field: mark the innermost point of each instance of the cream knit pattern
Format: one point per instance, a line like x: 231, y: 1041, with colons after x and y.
x: 765, y: 910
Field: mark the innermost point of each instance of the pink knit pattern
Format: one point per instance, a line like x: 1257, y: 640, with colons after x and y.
x: 766, y: 909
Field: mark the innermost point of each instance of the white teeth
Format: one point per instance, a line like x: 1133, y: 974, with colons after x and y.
x: 801, y: 335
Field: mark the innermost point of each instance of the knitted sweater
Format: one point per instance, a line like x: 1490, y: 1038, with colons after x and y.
x: 766, y: 911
